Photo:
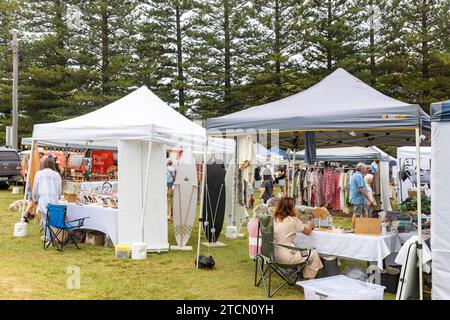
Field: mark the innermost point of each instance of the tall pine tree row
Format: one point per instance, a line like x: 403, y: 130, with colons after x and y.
x: 48, y: 78
x: 276, y: 48
x: 427, y: 72
x: 218, y: 44
x: 162, y: 49
x: 212, y: 57
x: 8, y: 21
x: 333, y: 37
x: 109, y: 37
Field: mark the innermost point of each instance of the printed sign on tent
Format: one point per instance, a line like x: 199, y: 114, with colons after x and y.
x: 101, y: 161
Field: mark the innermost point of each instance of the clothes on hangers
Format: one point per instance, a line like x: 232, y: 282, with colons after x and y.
x: 323, y: 186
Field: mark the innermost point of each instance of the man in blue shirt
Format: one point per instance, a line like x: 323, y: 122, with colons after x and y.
x: 359, y: 197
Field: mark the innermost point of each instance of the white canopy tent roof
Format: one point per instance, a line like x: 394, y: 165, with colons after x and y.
x: 264, y: 155
x: 140, y: 115
x: 410, y: 152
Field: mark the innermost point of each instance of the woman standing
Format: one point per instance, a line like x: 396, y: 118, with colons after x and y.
x: 47, y: 189
x: 266, y: 186
x: 286, y: 226
x: 368, y: 179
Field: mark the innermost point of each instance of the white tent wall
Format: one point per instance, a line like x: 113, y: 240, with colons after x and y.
x: 136, y: 199
x: 440, y: 210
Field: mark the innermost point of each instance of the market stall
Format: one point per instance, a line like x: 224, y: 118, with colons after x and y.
x: 340, y: 110
x: 440, y: 204
x: 404, y: 171
x: 138, y: 125
x: 351, y: 246
x: 339, y: 164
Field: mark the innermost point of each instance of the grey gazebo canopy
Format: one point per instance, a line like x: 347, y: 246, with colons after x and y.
x: 341, y: 109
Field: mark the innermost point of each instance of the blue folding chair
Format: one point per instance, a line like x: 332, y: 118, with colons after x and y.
x: 57, y: 225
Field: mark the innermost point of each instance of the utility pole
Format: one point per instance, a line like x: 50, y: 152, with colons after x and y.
x: 15, y: 107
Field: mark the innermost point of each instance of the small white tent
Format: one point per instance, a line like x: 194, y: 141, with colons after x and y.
x: 406, y: 156
x: 138, y: 125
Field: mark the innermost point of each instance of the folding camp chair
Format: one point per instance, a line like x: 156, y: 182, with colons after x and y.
x: 265, y: 264
x: 61, y: 231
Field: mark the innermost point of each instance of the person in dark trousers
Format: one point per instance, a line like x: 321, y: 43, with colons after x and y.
x: 267, y: 185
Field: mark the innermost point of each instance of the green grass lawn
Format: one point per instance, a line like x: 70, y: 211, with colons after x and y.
x: 27, y: 271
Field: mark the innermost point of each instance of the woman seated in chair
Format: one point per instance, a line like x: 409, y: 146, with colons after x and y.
x: 286, y: 225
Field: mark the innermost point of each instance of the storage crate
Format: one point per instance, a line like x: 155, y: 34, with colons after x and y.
x: 341, y: 288
x: 95, y: 238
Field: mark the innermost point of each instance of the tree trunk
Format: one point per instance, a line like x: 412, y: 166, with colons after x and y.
x: 329, y: 36
x: 373, y: 79
x: 60, y: 28
x: 425, y: 48
x: 227, y: 44
x: 277, y: 48
x: 180, y: 79
x: 105, y: 48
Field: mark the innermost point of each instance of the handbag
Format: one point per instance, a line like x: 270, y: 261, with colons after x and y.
x: 205, y: 262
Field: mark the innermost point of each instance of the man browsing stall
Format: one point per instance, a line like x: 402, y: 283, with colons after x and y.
x: 359, y: 196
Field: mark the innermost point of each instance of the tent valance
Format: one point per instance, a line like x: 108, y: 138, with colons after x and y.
x: 351, y: 154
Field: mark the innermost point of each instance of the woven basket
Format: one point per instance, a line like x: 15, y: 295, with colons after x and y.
x: 70, y: 197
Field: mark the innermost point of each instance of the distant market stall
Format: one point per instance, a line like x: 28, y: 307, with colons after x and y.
x: 405, y: 171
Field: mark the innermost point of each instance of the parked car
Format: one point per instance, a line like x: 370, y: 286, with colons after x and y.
x: 9, y: 167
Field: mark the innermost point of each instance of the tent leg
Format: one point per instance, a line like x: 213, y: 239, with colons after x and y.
x: 30, y: 161
x: 202, y: 195
x: 144, y: 203
x: 419, y: 212
x: 293, y: 174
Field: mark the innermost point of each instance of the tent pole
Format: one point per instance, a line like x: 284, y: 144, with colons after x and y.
x: 234, y: 188
x: 202, y: 196
x: 144, y: 203
x: 293, y: 174
x: 27, y: 184
x: 419, y: 212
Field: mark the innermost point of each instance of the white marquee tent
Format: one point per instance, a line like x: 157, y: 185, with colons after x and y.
x: 138, y: 125
x: 407, y: 156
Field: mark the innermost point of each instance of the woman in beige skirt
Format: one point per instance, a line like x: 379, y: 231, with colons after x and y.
x: 286, y: 225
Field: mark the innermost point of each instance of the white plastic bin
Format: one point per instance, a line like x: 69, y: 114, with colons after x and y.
x: 341, y: 288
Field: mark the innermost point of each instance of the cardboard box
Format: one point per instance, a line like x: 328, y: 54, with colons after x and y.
x: 62, y: 236
x: 368, y: 226
x: 95, y: 238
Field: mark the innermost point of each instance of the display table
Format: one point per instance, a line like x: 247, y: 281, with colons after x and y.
x: 100, y: 218
x: 350, y: 246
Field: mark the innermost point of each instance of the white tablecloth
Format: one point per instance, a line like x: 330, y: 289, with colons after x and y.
x: 351, y: 246
x: 100, y: 218
x: 406, y: 236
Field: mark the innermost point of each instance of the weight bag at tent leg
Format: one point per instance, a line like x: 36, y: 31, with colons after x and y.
x: 214, y: 202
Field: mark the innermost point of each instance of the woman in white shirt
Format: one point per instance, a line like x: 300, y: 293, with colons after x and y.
x: 47, y: 189
x: 368, y: 179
